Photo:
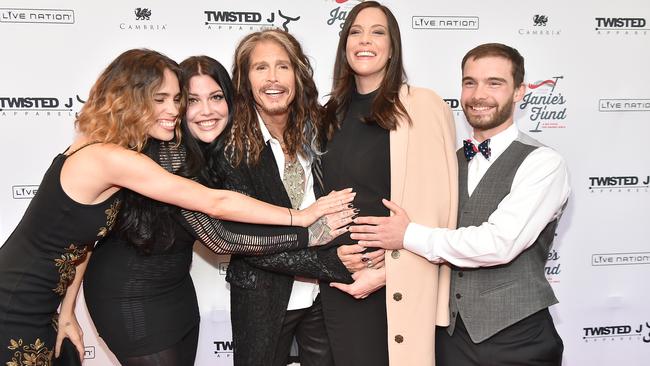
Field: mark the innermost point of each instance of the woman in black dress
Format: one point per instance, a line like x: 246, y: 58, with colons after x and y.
x: 387, y: 140
x: 138, y: 287
x: 43, y: 260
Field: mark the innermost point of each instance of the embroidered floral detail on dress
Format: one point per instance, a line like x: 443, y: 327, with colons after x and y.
x: 67, y: 266
x: 111, y: 215
x: 35, y: 354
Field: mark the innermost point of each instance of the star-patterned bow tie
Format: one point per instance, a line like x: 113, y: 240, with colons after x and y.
x: 470, y: 149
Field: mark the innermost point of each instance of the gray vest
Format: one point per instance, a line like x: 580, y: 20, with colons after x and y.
x: 490, y: 299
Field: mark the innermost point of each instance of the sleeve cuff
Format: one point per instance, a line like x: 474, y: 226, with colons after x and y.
x: 416, y: 240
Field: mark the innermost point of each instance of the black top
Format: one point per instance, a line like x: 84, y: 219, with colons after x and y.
x: 38, y: 262
x: 359, y: 157
x: 142, y: 304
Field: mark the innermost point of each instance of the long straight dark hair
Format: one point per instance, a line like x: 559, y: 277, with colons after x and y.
x: 386, y: 106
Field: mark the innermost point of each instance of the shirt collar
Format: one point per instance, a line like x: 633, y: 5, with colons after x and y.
x: 500, y: 142
x: 266, y: 135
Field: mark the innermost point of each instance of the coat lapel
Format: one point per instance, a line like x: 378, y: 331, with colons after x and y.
x: 399, y: 141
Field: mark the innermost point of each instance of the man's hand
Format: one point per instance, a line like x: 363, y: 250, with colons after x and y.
x: 382, y: 232
x: 365, y: 283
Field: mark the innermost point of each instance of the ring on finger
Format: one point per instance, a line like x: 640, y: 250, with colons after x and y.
x: 369, y: 263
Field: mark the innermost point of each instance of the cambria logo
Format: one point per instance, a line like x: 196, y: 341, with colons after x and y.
x: 240, y: 20
x: 617, y: 332
x: 625, y: 26
x: 539, y: 27
x: 540, y: 20
x: 38, y: 106
x: 547, y: 107
x: 619, y: 184
x: 142, y: 14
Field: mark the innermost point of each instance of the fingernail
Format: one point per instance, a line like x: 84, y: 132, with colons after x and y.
x: 355, y: 216
x: 356, y: 210
x: 350, y: 205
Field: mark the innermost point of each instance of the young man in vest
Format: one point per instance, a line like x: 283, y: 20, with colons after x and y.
x: 512, y: 191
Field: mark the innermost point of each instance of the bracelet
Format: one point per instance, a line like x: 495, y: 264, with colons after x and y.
x: 290, y: 217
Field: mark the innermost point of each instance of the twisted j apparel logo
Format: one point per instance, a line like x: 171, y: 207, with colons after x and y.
x: 241, y: 20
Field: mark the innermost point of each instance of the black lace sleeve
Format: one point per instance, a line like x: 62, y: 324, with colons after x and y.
x: 237, y: 238
x: 323, y: 264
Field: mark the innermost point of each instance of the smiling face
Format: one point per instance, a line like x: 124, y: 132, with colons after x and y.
x: 207, y: 110
x: 368, y: 48
x: 166, y: 102
x: 489, y: 95
x: 272, y: 79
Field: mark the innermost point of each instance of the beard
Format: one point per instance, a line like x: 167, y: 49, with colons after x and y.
x: 501, y: 114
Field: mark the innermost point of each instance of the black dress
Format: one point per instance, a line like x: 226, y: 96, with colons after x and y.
x: 143, y: 304
x: 358, y: 156
x: 38, y: 262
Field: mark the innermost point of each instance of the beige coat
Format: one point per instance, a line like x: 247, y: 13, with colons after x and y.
x: 424, y: 181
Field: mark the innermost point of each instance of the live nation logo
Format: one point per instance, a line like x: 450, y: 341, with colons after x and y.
x: 338, y: 14
x: 141, y: 21
x: 620, y: 332
x: 624, y: 105
x: 621, y: 26
x: 539, y: 27
x: 619, y: 184
x: 445, y: 22
x: 552, y: 268
x: 43, y: 16
x: 620, y: 259
x: 23, y: 192
x: 248, y: 20
x: 39, y: 106
x: 89, y: 352
x: 547, y: 105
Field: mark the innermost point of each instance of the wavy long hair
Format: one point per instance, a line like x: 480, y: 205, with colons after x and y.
x: 245, y: 142
x: 386, y: 106
x: 120, y: 107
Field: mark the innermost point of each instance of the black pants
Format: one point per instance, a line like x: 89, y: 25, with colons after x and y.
x: 308, y: 327
x: 532, y: 341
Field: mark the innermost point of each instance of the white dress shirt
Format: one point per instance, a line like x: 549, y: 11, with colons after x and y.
x: 304, y: 290
x: 537, y: 196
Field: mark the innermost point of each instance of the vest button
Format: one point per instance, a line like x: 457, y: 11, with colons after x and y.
x: 458, y: 296
x: 395, y: 254
x: 460, y: 274
x: 399, y: 338
x: 397, y: 296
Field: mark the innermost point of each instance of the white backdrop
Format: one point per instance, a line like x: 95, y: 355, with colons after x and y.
x: 587, y: 68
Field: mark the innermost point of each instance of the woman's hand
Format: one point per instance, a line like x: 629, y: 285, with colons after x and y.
x: 328, y: 227
x: 365, y: 283
x: 355, y: 260
x: 69, y: 328
x: 334, y: 202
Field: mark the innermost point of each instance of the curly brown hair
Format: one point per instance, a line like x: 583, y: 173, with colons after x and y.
x: 245, y: 142
x: 120, y: 107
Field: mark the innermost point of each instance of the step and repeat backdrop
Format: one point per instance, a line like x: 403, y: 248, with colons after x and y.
x: 588, y: 97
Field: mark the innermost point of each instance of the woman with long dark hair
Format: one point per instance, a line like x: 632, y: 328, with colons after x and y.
x: 387, y: 140
x: 136, y: 98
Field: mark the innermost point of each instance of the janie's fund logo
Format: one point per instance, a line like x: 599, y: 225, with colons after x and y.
x: 547, y: 106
